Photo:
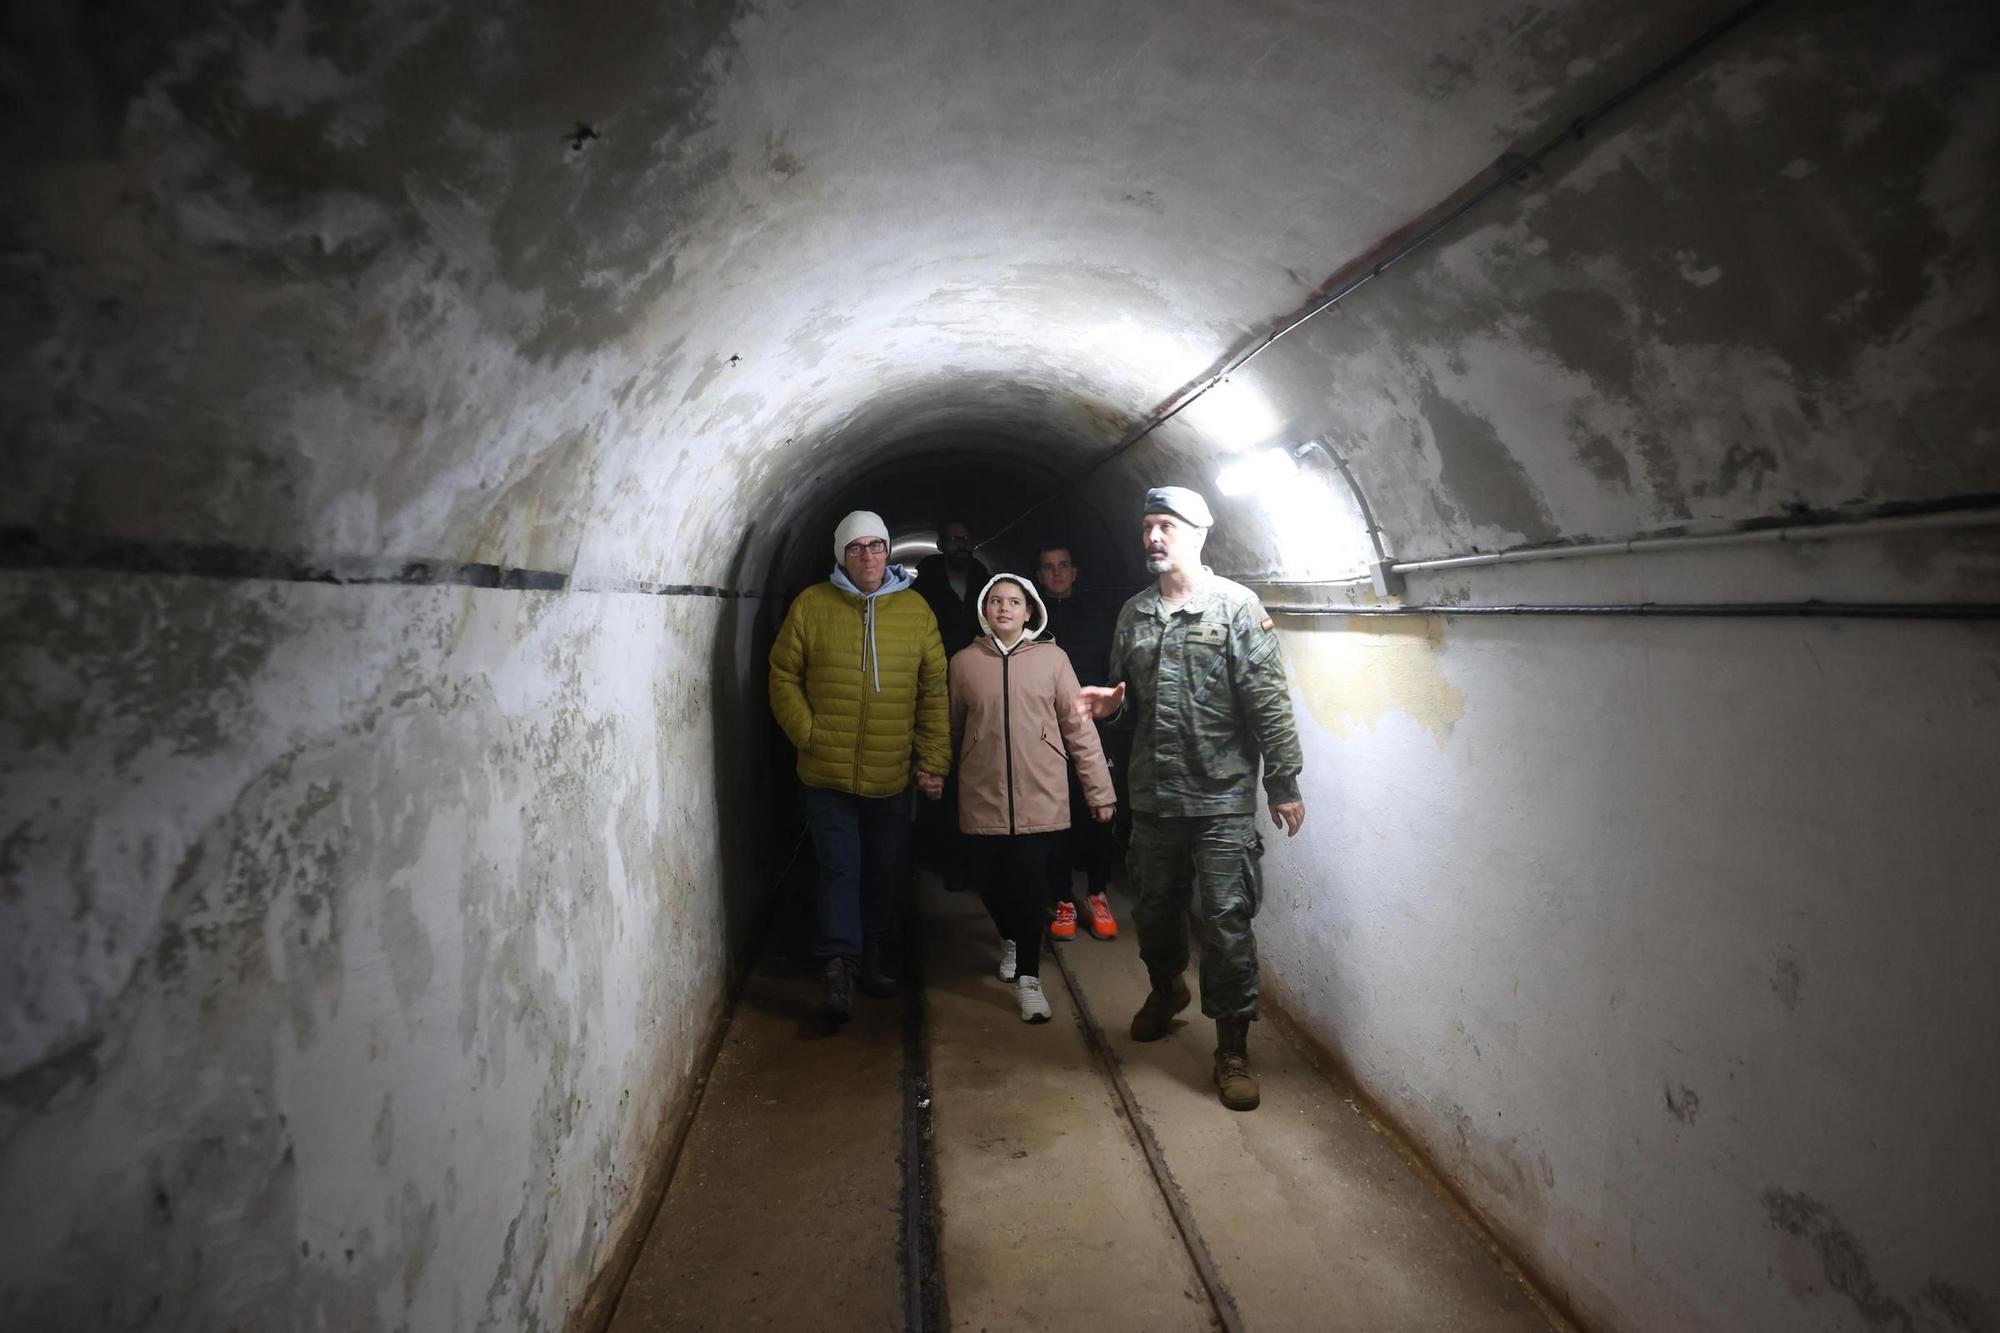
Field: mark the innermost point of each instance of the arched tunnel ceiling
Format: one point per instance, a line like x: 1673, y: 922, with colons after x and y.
x: 589, y: 287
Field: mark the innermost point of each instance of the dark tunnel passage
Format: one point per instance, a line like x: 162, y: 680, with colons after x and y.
x: 417, y: 423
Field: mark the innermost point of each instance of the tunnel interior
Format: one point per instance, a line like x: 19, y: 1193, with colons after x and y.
x: 419, y: 420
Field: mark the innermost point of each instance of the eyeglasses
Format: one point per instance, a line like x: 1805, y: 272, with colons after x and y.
x: 876, y: 547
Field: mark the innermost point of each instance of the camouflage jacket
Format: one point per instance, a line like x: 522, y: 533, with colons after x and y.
x: 1205, y: 697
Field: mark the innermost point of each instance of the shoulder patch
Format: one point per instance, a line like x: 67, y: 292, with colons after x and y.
x: 1266, y: 623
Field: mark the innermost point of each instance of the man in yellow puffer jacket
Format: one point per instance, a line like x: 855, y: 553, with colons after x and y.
x: 858, y: 684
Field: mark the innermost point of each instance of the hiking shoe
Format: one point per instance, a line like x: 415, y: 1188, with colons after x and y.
x: 1008, y: 954
x: 839, y: 1001
x: 1034, y: 1004
x: 1156, y: 1015
x: 1064, y: 926
x: 1234, y: 1081
x: 1102, y: 923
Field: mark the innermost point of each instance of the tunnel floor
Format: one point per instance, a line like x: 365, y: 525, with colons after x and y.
x: 1058, y: 1207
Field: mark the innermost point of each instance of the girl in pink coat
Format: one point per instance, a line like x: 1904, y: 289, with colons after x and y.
x: 1015, y: 729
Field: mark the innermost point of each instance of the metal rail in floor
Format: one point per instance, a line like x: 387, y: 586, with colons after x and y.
x: 939, y: 1164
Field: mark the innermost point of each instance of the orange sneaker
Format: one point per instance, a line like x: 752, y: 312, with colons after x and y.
x: 1064, y: 926
x: 1102, y: 923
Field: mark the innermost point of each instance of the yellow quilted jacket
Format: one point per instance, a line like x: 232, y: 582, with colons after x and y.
x: 853, y: 734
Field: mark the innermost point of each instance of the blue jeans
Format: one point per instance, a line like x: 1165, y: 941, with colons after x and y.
x: 860, y: 843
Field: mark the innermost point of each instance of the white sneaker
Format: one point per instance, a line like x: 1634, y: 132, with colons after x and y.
x: 1034, y: 1004
x: 1008, y: 955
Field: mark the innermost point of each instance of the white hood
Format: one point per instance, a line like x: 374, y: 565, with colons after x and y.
x: 1033, y: 631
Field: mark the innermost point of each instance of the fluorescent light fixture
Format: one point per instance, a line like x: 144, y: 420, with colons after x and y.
x: 1262, y: 473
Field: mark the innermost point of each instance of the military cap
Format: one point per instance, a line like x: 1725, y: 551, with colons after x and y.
x: 1182, y: 503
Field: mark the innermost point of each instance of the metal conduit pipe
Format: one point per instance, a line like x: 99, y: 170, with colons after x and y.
x: 1983, y: 515
x: 1511, y: 169
x: 1712, y: 610
x: 1791, y: 532
x: 1380, y: 570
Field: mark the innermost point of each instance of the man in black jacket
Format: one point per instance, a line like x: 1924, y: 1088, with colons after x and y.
x: 950, y: 581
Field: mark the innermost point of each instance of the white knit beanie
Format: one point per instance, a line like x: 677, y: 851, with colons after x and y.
x: 861, y: 523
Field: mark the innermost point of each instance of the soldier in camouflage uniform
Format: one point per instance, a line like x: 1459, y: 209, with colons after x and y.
x: 1207, y: 700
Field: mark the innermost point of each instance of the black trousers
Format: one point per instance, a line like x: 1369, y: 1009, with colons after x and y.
x: 1094, y: 847
x: 1088, y: 848
x: 940, y: 845
x: 1017, y: 874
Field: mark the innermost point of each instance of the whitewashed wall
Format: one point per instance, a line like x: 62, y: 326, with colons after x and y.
x: 373, y: 934
x: 1671, y: 941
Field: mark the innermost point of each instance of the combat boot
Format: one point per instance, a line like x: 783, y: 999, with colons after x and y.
x: 1233, y: 1079
x: 1156, y: 1015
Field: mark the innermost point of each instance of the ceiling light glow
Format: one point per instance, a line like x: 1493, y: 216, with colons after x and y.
x: 1264, y: 472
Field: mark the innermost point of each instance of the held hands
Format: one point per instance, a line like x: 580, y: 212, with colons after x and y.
x: 1289, y: 816
x: 1102, y: 813
x: 1094, y: 702
x: 931, y: 785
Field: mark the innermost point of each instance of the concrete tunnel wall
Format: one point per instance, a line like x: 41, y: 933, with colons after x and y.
x: 361, y: 937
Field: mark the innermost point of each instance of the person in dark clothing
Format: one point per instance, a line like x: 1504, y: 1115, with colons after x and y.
x: 1081, y: 628
x: 950, y: 581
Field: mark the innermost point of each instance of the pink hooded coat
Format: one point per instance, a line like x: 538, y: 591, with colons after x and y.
x: 1014, y: 727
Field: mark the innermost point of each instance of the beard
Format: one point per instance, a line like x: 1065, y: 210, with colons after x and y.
x: 1160, y: 564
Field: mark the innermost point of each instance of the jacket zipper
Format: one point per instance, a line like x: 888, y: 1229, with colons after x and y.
x: 861, y: 729
x: 1007, y: 735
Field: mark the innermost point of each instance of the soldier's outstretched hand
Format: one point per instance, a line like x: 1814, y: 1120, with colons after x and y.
x: 1289, y: 816
x: 1095, y: 701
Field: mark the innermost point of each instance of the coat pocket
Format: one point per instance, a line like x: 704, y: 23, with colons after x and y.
x: 1206, y: 665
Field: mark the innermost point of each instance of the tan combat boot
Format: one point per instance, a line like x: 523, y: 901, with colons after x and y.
x: 1233, y: 1078
x: 1156, y: 1015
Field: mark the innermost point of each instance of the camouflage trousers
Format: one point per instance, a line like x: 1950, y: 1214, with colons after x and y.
x: 1214, y: 865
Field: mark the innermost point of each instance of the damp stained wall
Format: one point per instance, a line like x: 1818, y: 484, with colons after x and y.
x: 1670, y: 940
x: 381, y: 944
x: 359, y: 939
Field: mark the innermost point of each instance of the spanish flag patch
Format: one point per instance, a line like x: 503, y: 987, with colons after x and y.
x: 1267, y: 623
